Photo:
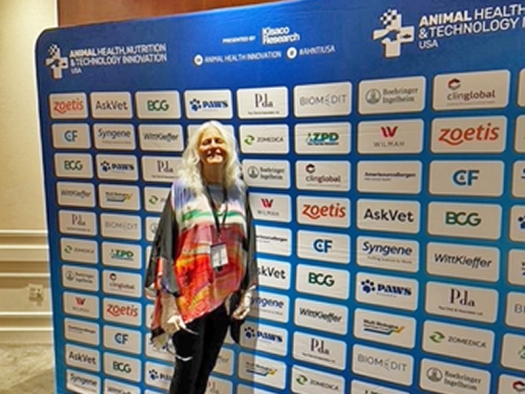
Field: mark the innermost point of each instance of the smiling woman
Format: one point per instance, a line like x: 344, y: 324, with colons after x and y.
x: 202, y: 267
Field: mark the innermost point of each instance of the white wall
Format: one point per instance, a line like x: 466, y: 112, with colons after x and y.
x: 23, y: 243
x: 21, y: 195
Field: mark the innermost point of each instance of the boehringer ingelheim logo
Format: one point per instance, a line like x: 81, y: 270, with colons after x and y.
x: 394, y: 33
x: 56, y: 62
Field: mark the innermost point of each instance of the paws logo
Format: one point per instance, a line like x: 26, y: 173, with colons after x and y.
x: 394, y: 34
x: 56, y: 62
x: 195, y: 105
x: 250, y: 333
x: 105, y: 166
x: 368, y: 286
x: 154, y: 375
x: 521, y: 223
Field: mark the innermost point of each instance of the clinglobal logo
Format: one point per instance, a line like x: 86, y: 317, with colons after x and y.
x: 394, y: 34
x: 56, y: 62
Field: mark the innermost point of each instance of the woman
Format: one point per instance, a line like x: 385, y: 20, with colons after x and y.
x: 202, y: 268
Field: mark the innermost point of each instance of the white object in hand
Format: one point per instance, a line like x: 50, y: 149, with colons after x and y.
x: 243, y: 308
x: 171, y: 320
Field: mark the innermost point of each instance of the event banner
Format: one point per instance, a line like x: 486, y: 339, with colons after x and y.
x: 382, y: 145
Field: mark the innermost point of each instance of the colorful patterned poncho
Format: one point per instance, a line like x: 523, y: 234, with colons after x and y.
x: 180, y: 257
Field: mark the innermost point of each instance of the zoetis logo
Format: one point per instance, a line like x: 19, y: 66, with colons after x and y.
x: 482, y: 134
x: 323, y: 211
x: 122, y: 312
x: 68, y: 106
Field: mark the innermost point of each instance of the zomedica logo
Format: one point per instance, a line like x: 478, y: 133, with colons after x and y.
x: 393, y: 34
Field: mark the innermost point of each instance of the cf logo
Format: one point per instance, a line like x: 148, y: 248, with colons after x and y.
x: 322, y: 245
x: 321, y: 279
x: 70, y: 135
x: 73, y: 165
x: 121, y: 338
x: 157, y: 105
x: 462, y: 218
x: 465, y: 177
x: 122, y: 367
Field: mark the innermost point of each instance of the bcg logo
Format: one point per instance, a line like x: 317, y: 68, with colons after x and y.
x: 465, y: 177
x: 462, y: 219
x: 73, y: 165
x: 321, y: 279
x: 157, y: 105
x: 121, y: 367
x: 322, y: 245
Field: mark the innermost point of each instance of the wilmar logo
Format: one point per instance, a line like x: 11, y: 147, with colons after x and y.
x: 473, y: 90
x: 208, y: 104
x: 56, y: 62
x: 393, y: 34
x: 390, y: 137
x: 122, y: 312
x: 331, y: 212
x: 469, y: 135
x: 68, y: 106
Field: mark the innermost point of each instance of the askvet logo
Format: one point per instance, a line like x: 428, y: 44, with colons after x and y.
x: 394, y: 34
x: 368, y: 286
x: 56, y: 62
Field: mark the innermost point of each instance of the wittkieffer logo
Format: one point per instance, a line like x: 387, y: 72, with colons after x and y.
x: 56, y: 62
x: 394, y: 34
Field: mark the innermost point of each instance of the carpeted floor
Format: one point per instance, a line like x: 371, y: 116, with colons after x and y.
x: 26, y: 369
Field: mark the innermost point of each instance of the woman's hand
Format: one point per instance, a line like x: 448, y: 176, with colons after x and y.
x: 243, y: 308
x: 171, y: 320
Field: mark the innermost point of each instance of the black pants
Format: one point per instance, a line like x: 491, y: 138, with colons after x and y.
x: 197, y: 352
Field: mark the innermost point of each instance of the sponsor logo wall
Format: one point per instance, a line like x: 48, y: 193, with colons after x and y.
x: 385, y: 178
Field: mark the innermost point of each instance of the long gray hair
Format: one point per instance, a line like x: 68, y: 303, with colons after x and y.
x: 190, y: 169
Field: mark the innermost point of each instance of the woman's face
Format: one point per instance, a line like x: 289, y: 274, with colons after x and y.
x: 212, y: 148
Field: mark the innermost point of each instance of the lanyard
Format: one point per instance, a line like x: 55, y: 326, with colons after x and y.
x: 215, y: 211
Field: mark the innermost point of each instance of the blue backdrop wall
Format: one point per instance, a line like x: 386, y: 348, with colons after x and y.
x: 382, y: 145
